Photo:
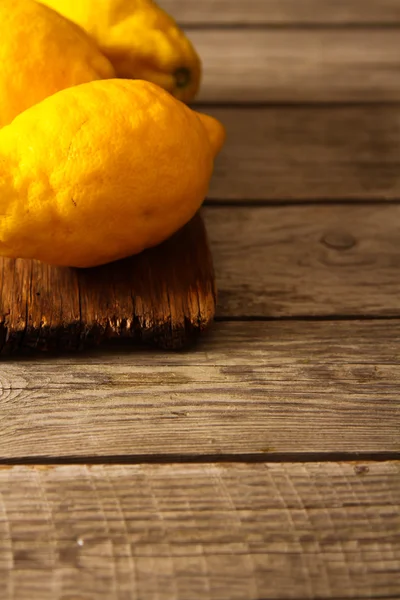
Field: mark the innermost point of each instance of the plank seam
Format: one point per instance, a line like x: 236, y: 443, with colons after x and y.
x: 302, y: 318
x: 281, y: 457
x: 304, y: 26
x: 290, y: 203
x: 391, y: 597
x: 300, y: 105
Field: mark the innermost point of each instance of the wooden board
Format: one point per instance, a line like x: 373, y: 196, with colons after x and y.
x: 308, y: 153
x: 283, y: 12
x: 261, y: 389
x: 184, y: 532
x: 270, y: 343
x: 304, y: 261
x: 165, y: 296
x: 295, y: 66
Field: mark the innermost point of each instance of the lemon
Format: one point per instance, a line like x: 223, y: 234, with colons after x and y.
x: 101, y: 171
x: 41, y: 53
x: 141, y: 40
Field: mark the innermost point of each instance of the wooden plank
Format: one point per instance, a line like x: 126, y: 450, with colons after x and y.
x: 283, y: 12
x: 308, y: 153
x: 164, y: 295
x: 249, y: 388
x: 181, y: 532
x: 306, y: 260
x: 272, y: 344
x: 294, y: 66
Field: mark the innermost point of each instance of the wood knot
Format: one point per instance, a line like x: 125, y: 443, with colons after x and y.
x: 339, y: 240
x: 361, y: 469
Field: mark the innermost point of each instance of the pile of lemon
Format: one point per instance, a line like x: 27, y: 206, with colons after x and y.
x: 100, y: 156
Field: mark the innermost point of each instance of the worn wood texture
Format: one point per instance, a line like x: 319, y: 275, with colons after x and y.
x: 270, y: 262
x: 283, y: 12
x: 165, y: 295
x: 308, y: 153
x: 318, y: 65
x: 306, y: 260
x: 183, y: 532
x: 250, y: 388
x: 273, y: 344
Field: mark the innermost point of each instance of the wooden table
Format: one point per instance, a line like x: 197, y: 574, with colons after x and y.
x: 264, y: 463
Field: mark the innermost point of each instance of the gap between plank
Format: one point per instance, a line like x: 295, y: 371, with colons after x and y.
x: 252, y: 203
x: 300, y: 105
x: 216, y: 26
x: 311, y: 318
x: 268, y: 457
x: 390, y: 597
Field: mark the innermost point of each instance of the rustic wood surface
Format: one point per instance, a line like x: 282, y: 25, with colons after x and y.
x: 165, y: 295
x: 306, y: 260
x: 200, y: 531
x: 283, y: 153
x: 172, y: 477
x: 283, y: 12
x: 230, y: 343
x: 291, y: 66
x: 248, y: 388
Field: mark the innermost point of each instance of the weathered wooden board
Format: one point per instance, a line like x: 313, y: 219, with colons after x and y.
x: 270, y: 261
x: 283, y: 12
x: 272, y: 344
x: 308, y: 153
x: 183, y: 532
x: 164, y: 295
x: 251, y: 388
x: 319, y: 65
x: 306, y: 260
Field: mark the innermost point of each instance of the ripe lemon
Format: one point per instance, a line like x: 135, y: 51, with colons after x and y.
x: 140, y: 39
x: 101, y: 171
x: 41, y: 53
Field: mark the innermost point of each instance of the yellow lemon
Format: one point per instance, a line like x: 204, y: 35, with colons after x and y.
x: 41, y: 53
x: 141, y: 40
x: 101, y: 171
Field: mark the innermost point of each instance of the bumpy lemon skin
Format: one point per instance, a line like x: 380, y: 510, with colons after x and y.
x: 141, y: 40
x: 42, y: 53
x: 102, y: 171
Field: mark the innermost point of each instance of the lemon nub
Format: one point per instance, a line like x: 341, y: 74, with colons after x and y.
x: 182, y: 77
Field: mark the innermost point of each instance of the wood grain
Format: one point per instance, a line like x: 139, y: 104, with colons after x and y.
x: 273, y: 344
x: 308, y: 153
x: 249, y: 388
x: 181, y: 532
x: 305, y: 261
x: 164, y: 296
x: 283, y: 12
x: 295, y: 66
